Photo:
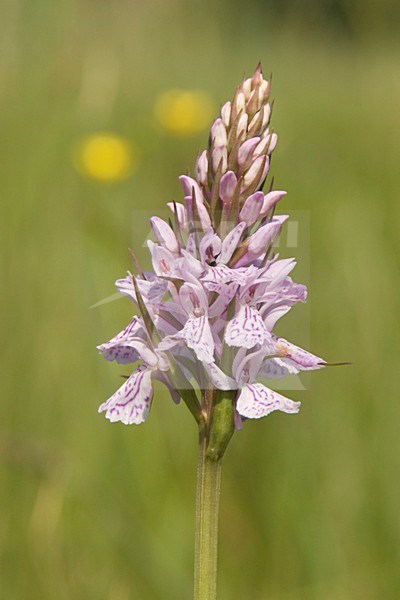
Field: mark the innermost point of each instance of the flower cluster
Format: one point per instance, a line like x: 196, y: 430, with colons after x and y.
x: 209, y: 308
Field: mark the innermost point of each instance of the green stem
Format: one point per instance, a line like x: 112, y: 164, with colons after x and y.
x: 207, y: 508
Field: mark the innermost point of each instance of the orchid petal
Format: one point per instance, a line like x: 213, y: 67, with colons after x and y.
x: 270, y: 200
x: 230, y: 243
x: 162, y: 259
x: 221, y: 274
x: 181, y: 214
x: 246, y: 329
x: 188, y: 183
x: 198, y: 335
x: 301, y: 359
x: 191, y: 247
x: 119, y: 348
x: 131, y: 403
x: 219, y: 379
x: 246, y: 366
x: 256, y: 401
x: 274, y: 315
x: 226, y: 293
x: 170, y: 341
x: 251, y: 208
x: 279, y: 269
x: 193, y: 299
x: 210, y: 247
x: 164, y: 234
x: 205, y: 220
x: 260, y: 240
x: 152, y: 288
x: 274, y: 368
x: 189, y: 264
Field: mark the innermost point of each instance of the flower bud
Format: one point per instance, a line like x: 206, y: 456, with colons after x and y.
x: 251, y: 208
x: 240, y: 104
x: 246, y: 150
x: 242, y: 125
x: 188, y: 183
x: 253, y: 177
x: 259, y: 242
x: 202, y: 168
x: 246, y: 87
x: 227, y: 187
x: 260, y: 120
x: 218, y: 134
x: 204, y: 217
x: 181, y: 214
x: 264, y: 90
x: 261, y: 239
x: 270, y: 200
x: 267, y: 144
x: 164, y: 234
x: 226, y: 114
x: 266, y: 115
x: 219, y: 153
x: 257, y: 77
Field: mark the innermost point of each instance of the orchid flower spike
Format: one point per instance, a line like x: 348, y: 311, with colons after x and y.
x: 207, y: 312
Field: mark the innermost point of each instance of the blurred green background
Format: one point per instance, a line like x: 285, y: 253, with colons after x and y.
x: 310, y: 504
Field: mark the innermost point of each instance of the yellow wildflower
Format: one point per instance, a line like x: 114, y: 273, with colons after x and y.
x: 183, y: 112
x: 105, y: 156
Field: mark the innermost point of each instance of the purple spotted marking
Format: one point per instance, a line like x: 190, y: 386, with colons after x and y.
x: 256, y: 401
x: 131, y: 403
x: 247, y: 329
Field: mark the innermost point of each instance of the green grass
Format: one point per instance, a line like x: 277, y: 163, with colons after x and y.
x: 92, y: 510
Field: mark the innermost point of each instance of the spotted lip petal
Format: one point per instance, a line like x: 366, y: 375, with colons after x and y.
x: 221, y: 274
x: 131, y: 402
x: 198, y: 336
x: 120, y: 347
x: 121, y: 353
x: 256, y: 401
x: 247, y: 329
